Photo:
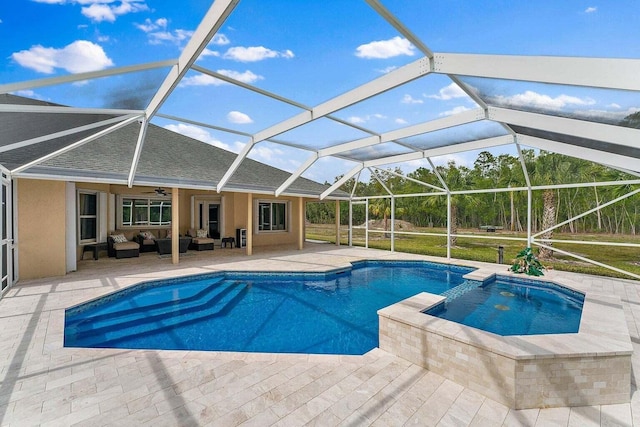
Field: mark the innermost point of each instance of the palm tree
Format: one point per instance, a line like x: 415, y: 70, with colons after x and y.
x: 547, y: 168
x: 381, y: 208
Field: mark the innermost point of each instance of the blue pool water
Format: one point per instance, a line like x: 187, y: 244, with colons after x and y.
x: 514, y: 307
x: 332, y: 313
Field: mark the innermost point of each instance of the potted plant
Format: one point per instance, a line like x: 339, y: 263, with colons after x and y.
x: 526, y: 262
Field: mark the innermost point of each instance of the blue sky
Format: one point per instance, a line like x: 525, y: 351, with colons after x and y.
x: 308, y: 52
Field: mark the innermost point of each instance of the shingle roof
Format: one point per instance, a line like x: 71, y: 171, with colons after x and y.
x: 168, y: 158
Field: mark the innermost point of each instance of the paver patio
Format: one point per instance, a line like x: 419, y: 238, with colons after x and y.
x: 44, y: 383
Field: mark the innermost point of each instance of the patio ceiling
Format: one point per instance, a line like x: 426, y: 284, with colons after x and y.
x: 494, y: 83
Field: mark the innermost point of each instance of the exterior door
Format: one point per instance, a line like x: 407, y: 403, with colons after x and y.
x: 6, y: 230
x: 214, y: 221
x: 209, y: 216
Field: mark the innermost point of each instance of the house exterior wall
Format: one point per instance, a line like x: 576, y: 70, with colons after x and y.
x: 41, y: 238
x: 41, y: 228
x: 289, y: 237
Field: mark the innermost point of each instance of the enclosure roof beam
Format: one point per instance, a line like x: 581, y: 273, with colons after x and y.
x: 596, y: 156
x: 438, y: 175
x: 55, y: 109
x: 401, y: 28
x: 389, y: 81
x: 607, y: 73
x: 77, y: 144
x: 417, y: 181
x: 50, y: 136
x: 377, y: 177
x: 306, y: 165
x: 613, y: 134
x: 144, y: 124
x: 212, y: 21
x: 440, y: 151
x: 70, y: 78
x: 341, y: 181
x: 430, y: 126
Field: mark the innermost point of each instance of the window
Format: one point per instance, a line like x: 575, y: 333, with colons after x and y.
x: 272, y: 216
x: 145, y: 212
x: 87, y: 217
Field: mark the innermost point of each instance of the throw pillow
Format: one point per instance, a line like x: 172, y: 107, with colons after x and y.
x: 201, y: 233
x: 147, y: 235
x: 119, y: 238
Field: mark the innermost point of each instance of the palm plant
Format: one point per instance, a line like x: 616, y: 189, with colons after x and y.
x: 526, y: 262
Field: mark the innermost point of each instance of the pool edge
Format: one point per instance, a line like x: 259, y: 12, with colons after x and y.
x: 591, y: 367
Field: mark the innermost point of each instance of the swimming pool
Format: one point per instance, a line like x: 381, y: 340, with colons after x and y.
x: 318, y: 313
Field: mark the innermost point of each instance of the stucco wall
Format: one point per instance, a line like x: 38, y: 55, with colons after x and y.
x: 41, y: 228
x: 289, y: 237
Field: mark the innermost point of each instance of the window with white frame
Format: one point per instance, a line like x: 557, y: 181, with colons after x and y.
x: 272, y: 216
x: 87, y: 217
x: 137, y: 212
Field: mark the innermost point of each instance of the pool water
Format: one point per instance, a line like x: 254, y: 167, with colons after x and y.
x: 315, y: 313
x: 515, y: 308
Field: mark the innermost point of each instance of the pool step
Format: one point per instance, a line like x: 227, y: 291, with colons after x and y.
x: 463, y: 288
x: 217, y: 301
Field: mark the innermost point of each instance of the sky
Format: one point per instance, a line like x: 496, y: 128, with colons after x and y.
x: 309, y: 52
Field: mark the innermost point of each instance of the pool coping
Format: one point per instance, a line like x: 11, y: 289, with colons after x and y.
x: 603, y: 337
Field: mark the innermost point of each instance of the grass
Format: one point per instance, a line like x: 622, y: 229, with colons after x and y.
x: 625, y: 258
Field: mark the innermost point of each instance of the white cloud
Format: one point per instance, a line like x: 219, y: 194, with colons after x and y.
x: 591, y: 9
x: 246, y: 77
x: 175, y: 36
x: 534, y: 99
x: 455, y: 110
x: 105, y: 10
x: 158, y: 33
x: 77, y: 57
x: 198, y: 133
x: 614, y: 105
x: 208, y: 52
x: 460, y: 160
x: 266, y: 154
x: 387, y: 70
x: 367, y: 118
x: 383, y: 49
x: 206, y: 80
x: 149, y: 25
x: 254, y: 53
x: 217, y: 40
x: 401, y: 121
x: 238, y: 118
x: 28, y: 94
x: 220, y: 40
x: 449, y: 92
x: 408, y: 99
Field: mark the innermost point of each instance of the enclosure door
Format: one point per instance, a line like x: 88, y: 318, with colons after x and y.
x: 6, y: 243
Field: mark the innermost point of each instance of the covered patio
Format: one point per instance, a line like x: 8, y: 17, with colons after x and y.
x: 45, y: 383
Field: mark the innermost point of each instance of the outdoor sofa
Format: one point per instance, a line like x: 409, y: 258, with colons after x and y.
x: 200, y: 240
x: 121, y: 245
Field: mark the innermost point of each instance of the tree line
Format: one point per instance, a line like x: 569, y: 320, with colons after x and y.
x: 506, y: 209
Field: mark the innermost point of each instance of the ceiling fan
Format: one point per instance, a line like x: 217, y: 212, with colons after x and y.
x: 158, y: 192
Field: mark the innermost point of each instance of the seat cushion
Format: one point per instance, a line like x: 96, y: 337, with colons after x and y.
x: 202, y: 240
x: 125, y: 246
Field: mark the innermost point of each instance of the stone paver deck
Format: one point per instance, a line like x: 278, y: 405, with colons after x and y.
x: 43, y: 383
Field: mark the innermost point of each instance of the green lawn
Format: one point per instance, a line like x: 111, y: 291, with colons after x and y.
x: 487, y: 249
